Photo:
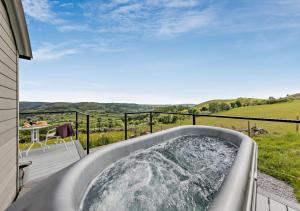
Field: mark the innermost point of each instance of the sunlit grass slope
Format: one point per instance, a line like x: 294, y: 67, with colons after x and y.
x: 288, y: 110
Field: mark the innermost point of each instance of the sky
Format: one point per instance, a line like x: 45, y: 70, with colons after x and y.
x: 160, y: 51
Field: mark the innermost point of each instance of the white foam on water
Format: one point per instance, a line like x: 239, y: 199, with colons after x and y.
x: 181, y: 174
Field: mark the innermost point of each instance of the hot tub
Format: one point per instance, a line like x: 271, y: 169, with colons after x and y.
x: 68, y: 189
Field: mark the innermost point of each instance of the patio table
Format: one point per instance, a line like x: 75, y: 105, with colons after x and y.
x: 35, y: 136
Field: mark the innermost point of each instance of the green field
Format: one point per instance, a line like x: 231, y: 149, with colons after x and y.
x: 279, y: 156
x: 280, y: 110
x: 288, y: 110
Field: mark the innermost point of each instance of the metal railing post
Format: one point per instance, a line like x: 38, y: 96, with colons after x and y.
x: 125, y: 126
x: 76, y: 124
x: 151, y: 128
x: 249, y: 129
x: 87, y: 134
x: 194, y: 119
x: 297, y: 125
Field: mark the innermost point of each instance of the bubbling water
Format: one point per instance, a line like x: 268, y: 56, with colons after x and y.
x: 182, y: 174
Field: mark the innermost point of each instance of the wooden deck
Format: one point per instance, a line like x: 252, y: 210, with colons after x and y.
x: 51, y: 161
x: 268, y: 202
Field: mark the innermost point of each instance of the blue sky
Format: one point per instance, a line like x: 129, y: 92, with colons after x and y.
x: 161, y: 51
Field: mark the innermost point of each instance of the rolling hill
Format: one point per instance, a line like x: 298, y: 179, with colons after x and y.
x: 83, y: 106
x: 219, y: 105
x: 117, y: 108
x: 287, y: 110
x: 242, y: 100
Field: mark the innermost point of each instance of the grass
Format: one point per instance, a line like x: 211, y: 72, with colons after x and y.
x: 279, y: 156
x: 289, y: 110
x: 100, y: 139
x: 280, y: 110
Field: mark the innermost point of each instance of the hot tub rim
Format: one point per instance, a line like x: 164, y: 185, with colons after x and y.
x: 63, y: 184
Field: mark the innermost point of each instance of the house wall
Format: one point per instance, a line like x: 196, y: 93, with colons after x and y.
x: 8, y: 111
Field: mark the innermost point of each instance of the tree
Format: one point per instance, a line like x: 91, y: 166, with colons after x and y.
x: 224, y: 107
x: 204, y: 109
x: 193, y: 110
x: 168, y: 119
x: 213, y: 107
x: 272, y: 100
x: 233, y: 105
x: 238, y: 103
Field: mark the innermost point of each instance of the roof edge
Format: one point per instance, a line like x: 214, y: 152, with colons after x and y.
x: 19, y: 27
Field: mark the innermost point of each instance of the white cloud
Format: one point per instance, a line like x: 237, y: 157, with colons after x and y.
x: 185, y: 22
x: 128, y: 9
x: 147, y: 17
x: 41, y: 11
x: 107, y: 45
x: 174, y: 3
x: 67, y: 5
x: 276, y: 15
x: 74, y: 28
x: 52, y: 52
x: 166, y: 17
x: 182, y: 3
x: 139, y: 19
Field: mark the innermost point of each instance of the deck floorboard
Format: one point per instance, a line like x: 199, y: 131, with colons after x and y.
x: 51, y: 161
x: 267, y: 203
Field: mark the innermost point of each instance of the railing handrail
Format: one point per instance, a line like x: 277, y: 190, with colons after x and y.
x: 53, y: 112
x: 220, y: 116
x: 46, y: 112
x: 193, y: 115
x: 252, y: 118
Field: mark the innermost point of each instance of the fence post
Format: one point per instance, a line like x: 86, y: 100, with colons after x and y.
x: 125, y: 124
x: 151, y: 128
x: 88, y: 134
x: 249, y: 129
x: 76, y: 124
x: 194, y: 119
x: 297, y: 125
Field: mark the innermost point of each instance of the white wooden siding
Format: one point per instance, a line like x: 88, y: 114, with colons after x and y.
x: 8, y: 111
